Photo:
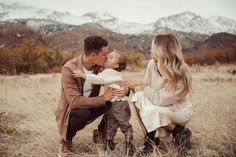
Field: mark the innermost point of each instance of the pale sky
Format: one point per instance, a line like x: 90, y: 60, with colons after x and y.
x: 141, y: 11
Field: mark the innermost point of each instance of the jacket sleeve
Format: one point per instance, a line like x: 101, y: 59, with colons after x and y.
x: 74, y: 95
x: 147, y: 77
x: 163, y: 97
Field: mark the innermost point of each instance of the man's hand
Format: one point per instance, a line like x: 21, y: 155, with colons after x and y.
x: 78, y: 73
x: 108, y: 95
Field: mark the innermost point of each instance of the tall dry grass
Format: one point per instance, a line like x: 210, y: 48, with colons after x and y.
x: 28, y: 128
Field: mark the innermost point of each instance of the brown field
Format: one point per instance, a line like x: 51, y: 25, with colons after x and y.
x: 28, y: 128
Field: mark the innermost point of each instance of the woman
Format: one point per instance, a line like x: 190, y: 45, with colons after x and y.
x: 163, y: 103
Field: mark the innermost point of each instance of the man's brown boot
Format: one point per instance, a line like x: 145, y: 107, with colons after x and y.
x: 65, y: 148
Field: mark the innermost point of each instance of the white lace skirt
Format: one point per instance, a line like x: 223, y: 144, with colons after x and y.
x: 154, y: 117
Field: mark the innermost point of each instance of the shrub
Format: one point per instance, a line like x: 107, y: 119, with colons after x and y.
x: 27, y: 58
x: 136, y: 61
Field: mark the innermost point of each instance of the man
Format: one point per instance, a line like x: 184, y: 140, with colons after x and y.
x: 79, y: 103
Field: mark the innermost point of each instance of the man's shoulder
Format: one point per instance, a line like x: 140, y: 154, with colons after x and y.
x: 73, y: 63
x: 76, y: 63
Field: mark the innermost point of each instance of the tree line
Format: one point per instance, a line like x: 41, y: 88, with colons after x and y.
x: 28, y: 58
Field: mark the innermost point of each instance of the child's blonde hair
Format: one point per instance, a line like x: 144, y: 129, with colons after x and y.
x: 170, y: 61
x: 122, y: 60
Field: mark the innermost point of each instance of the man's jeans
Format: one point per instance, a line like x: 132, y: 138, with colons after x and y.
x: 80, y: 117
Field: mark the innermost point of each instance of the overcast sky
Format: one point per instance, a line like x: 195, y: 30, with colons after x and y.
x: 142, y: 11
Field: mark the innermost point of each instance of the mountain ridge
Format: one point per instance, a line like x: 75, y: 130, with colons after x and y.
x: 187, y: 21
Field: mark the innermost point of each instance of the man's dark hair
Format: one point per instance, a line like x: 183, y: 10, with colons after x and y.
x: 94, y: 44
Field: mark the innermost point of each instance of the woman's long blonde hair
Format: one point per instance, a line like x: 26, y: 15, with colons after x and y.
x: 170, y: 62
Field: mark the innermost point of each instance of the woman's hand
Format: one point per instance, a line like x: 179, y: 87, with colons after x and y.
x: 78, y: 73
x: 133, y: 83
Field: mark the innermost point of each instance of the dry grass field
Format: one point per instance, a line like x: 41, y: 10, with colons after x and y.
x: 28, y: 127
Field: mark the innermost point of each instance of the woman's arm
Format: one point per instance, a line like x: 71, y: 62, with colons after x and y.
x: 137, y: 85
x: 163, y: 97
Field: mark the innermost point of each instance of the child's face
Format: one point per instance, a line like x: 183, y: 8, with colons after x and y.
x: 112, y: 60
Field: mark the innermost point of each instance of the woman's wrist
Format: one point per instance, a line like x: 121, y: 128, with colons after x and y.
x: 142, y: 85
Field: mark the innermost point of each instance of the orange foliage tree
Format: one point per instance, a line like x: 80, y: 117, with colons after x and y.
x: 227, y: 55
x: 136, y: 61
x: 28, y: 58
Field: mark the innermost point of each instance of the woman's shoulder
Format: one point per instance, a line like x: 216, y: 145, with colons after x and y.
x: 150, y: 64
x: 151, y: 68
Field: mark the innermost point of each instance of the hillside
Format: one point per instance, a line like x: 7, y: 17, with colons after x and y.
x: 14, y: 33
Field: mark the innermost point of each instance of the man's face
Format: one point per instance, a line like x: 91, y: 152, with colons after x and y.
x: 101, y: 57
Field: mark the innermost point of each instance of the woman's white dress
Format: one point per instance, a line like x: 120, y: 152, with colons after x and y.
x: 158, y: 107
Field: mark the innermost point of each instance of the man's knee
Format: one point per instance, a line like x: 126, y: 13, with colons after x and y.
x: 96, y: 112
x: 80, y: 116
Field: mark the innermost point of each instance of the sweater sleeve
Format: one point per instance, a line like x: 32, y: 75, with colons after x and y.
x: 163, y: 97
x: 106, y: 77
x: 147, y: 77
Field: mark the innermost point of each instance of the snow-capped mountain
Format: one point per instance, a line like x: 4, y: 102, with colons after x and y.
x: 16, y: 11
x: 110, y: 22
x: 190, y: 22
x: 224, y: 24
x: 185, y: 22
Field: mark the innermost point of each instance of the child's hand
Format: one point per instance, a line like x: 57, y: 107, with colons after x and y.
x: 78, y: 73
x: 120, y: 93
